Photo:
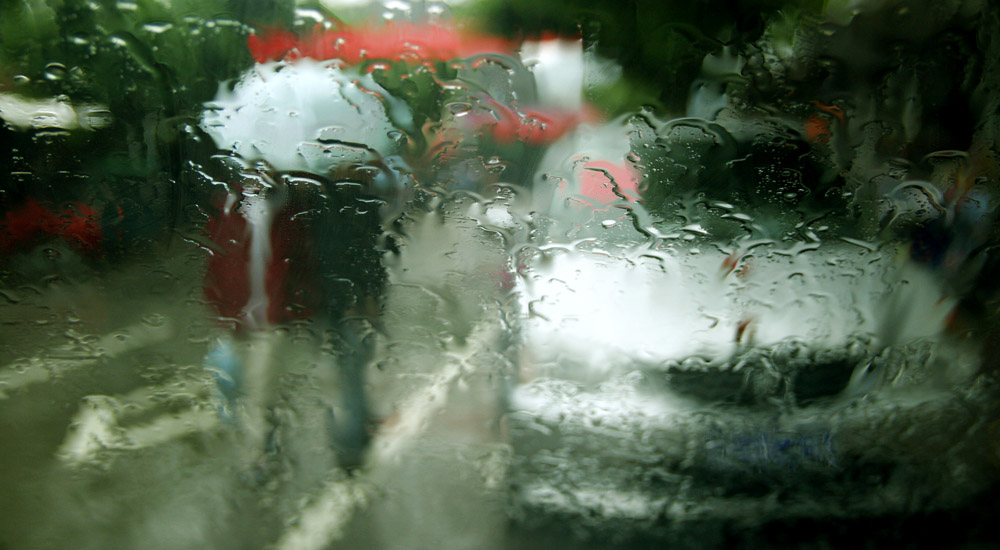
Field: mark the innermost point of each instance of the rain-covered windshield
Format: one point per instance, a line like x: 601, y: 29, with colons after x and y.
x: 498, y: 274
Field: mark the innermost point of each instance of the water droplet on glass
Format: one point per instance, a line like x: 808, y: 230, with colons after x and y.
x: 397, y: 136
x: 97, y: 119
x: 459, y: 108
x: 154, y: 320
x: 55, y: 71
x: 158, y: 27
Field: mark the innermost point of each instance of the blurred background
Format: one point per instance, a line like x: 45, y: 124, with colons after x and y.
x: 499, y: 274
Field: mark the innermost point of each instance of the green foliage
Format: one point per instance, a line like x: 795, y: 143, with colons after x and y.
x: 660, y: 43
x: 151, y: 64
x: 418, y: 85
x: 134, y: 56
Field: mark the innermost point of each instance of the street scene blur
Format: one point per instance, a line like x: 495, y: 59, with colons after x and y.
x: 324, y: 274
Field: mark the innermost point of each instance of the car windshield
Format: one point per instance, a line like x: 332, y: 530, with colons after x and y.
x: 322, y: 274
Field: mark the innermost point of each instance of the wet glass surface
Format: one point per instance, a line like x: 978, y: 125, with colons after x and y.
x: 498, y: 274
